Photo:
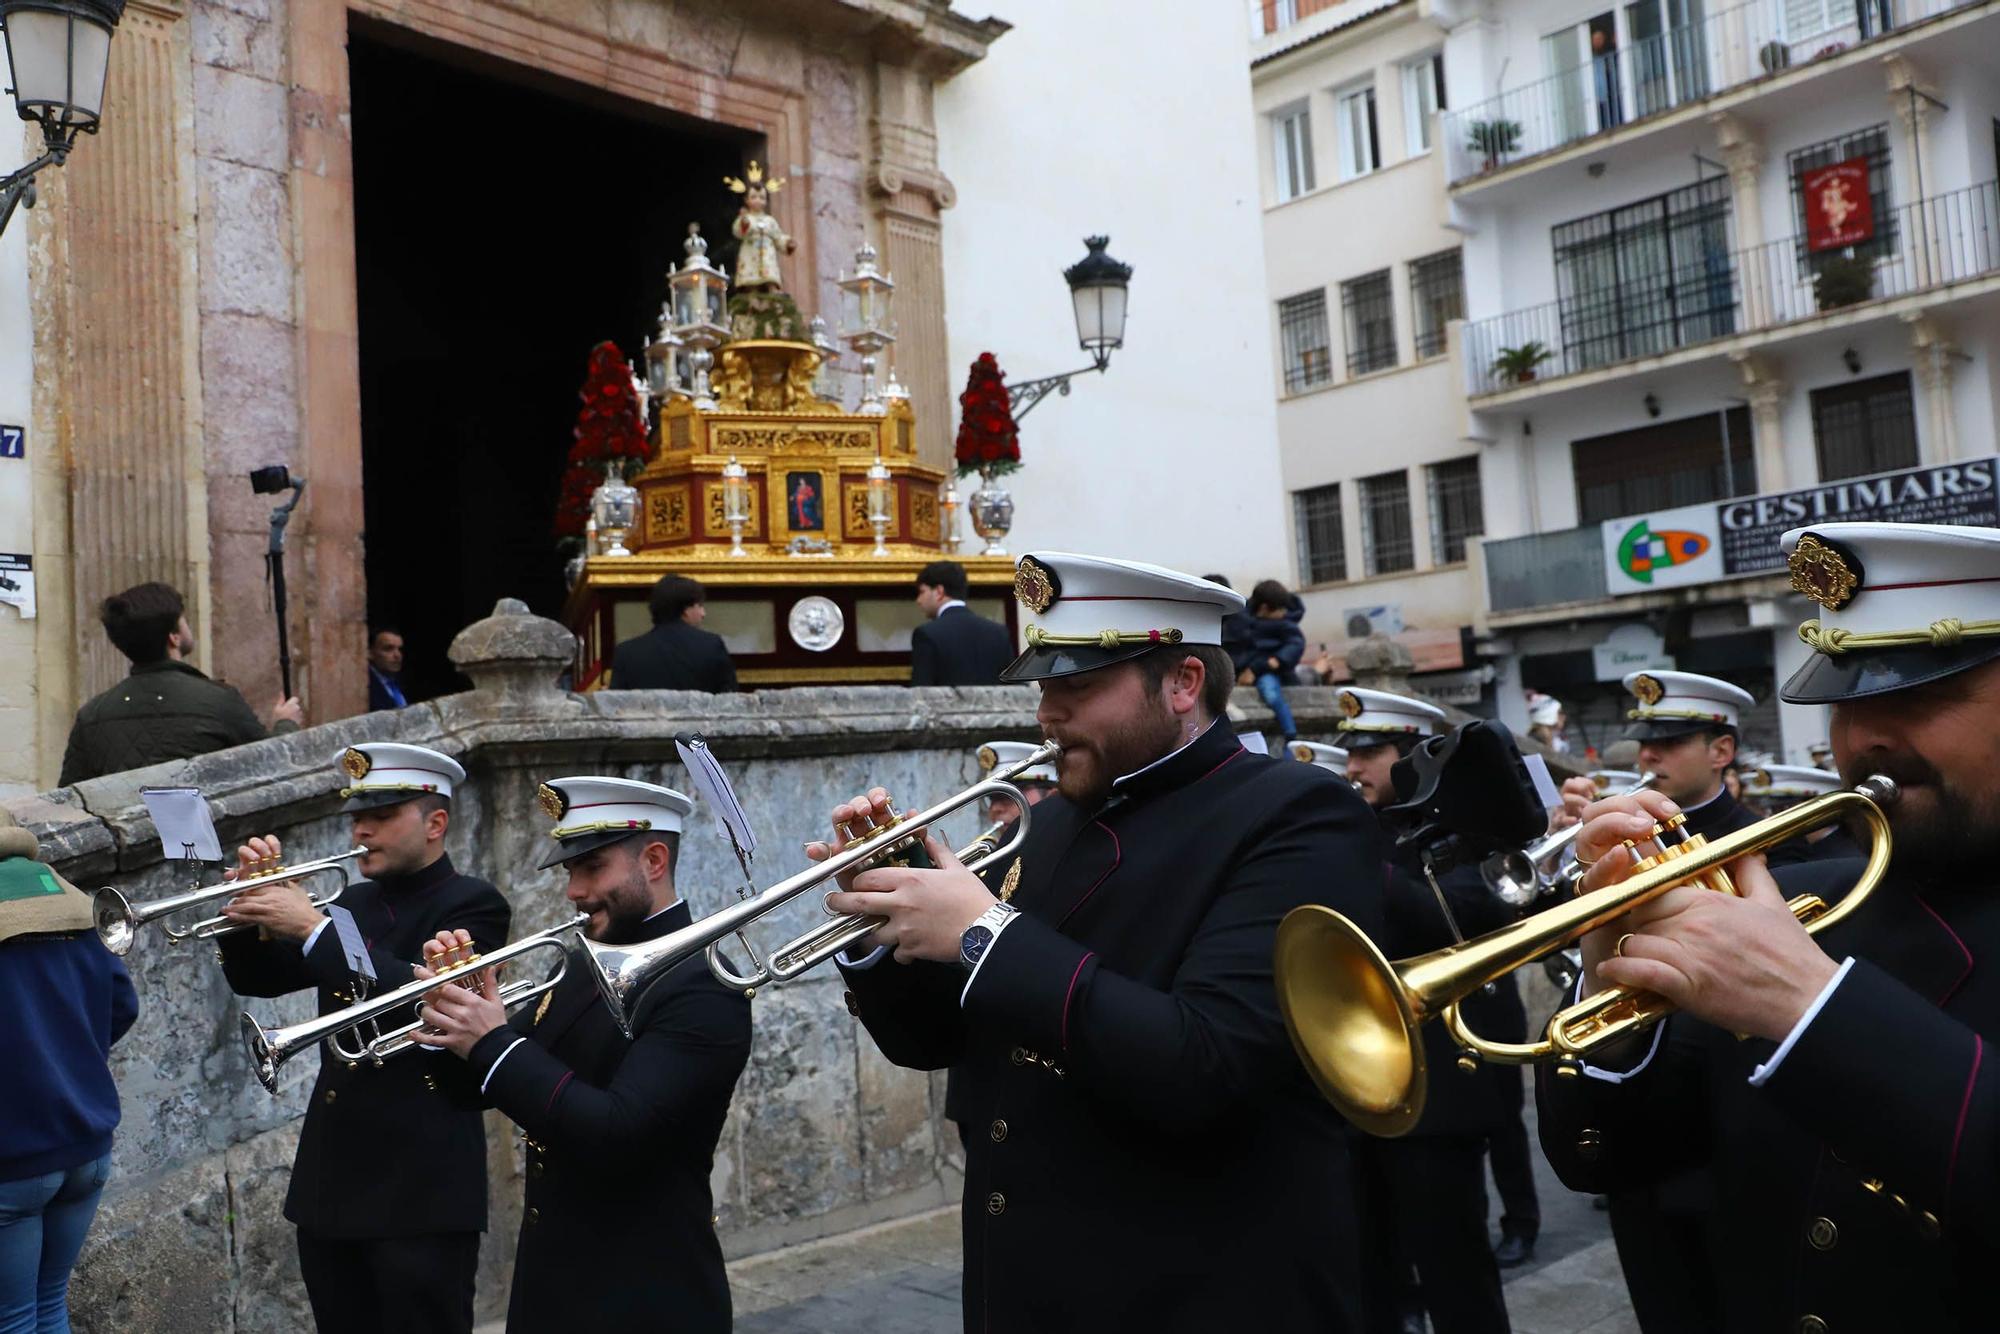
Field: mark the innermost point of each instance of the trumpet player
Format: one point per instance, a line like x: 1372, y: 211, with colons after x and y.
x: 388, y: 1190
x: 1839, y: 1086
x: 1428, y: 1188
x: 1034, y: 783
x: 618, y: 1228
x: 1143, y: 1148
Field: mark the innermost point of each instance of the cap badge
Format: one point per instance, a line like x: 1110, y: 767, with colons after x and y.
x: 553, y: 801
x: 1647, y: 690
x: 988, y: 759
x: 356, y: 763
x: 1302, y: 753
x: 1350, y: 704
x: 1035, y: 585
x: 1824, y: 573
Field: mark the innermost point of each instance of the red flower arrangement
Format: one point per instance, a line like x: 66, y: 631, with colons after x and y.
x: 607, y: 428
x: 988, y: 440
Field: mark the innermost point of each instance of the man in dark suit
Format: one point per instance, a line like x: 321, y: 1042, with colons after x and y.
x: 621, y: 1133
x: 676, y: 654
x: 954, y: 646
x: 1423, y: 1194
x: 388, y: 1189
x: 1143, y: 1148
x: 1836, y: 1085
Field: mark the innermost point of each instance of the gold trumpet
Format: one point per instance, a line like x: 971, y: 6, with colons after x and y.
x: 118, y: 919
x: 1355, y: 1017
x: 270, y: 1048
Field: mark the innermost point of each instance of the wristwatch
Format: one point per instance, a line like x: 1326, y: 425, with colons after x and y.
x: 973, y: 943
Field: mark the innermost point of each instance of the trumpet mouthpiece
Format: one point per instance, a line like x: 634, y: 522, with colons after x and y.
x: 1878, y: 788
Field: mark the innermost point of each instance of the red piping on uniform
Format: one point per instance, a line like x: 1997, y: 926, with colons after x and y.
x: 1225, y: 759
x: 1971, y: 1082
x: 1952, y: 990
x: 1929, y: 583
x: 1089, y: 955
x: 1117, y: 855
x: 556, y: 1092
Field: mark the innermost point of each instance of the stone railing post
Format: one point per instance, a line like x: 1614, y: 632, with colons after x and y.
x: 514, y: 656
x: 1380, y: 663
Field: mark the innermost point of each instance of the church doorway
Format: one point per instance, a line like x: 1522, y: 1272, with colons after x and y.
x: 505, y: 223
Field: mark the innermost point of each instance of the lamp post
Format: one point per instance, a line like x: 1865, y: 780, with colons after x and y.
x: 826, y: 377
x: 58, y: 52
x: 867, y: 297
x: 1097, y: 284
x: 663, y: 358
x: 880, y: 497
x: 735, y: 503
x: 700, y: 295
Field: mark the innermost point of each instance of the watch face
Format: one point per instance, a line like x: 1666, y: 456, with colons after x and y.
x: 973, y: 943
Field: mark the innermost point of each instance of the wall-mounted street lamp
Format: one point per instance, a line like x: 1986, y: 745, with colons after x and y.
x: 1097, y: 286
x: 57, y: 53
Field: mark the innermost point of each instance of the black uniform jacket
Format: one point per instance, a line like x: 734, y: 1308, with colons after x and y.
x: 673, y: 656
x: 619, y: 1224
x: 1144, y: 1150
x: 959, y: 648
x: 1456, y: 1102
x: 1860, y: 1184
x: 382, y: 1153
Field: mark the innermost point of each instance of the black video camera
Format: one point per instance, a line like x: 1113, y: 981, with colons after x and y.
x: 1465, y: 795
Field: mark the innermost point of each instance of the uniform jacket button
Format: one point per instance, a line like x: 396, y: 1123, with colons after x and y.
x: 535, y: 1168
x: 1589, y: 1145
x: 1927, y: 1226
x: 998, y: 1132
x: 853, y: 1005
x: 1019, y: 1056
x: 1811, y: 1324
x: 1822, y: 1234
x: 996, y: 1204
x: 328, y: 1098
x: 532, y: 1216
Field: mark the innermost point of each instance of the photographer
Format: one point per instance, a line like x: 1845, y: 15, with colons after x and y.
x: 166, y: 709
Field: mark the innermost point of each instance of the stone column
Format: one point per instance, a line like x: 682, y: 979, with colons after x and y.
x: 117, y: 383
x: 1907, y: 90
x: 1766, y: 392
x: 1742, y: 153
x: 1932, y: 353
x: 910, y: 194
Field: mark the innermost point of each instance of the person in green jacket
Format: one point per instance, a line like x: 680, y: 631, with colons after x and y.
x: 166, y: 709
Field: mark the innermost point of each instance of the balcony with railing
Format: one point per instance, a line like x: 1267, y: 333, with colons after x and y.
x: 1689, y: 293
x: 1670, y: 69
x: 1544, y: 569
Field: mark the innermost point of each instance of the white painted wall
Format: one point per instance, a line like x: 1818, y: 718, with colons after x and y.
x: 17, y: 637
x: 1083, y: 121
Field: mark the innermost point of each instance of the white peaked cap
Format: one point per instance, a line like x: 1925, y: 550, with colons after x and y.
x: 382, y: 773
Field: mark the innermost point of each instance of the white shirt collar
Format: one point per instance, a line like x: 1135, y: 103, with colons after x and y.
x: 947, y: 605
x: 1120, y: 782
x: 669, y: 908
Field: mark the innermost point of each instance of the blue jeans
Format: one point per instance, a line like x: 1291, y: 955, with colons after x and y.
x: 1273, y: 696
x: 43, y: 1221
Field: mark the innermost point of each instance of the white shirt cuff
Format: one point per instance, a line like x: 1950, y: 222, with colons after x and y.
x: 1620, y: 1076
x: 866, y: 961
x: 998, y: 931
x: 1770, y: 1067
x: 496, y: 1063
x: 324, y: 923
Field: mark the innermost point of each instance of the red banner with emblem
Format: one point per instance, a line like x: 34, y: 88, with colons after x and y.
x: 1839, y: 210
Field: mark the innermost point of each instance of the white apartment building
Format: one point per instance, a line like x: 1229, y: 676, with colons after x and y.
x: 1728, y: 266
x: 1364, y: 283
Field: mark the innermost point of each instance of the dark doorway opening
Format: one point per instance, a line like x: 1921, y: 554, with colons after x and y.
x: 505, y: 223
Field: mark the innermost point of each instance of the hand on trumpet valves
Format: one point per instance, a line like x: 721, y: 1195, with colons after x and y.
x: 1739, y: 961
x: 285, y: 911
x: 926, y: 911
x: 455, y: 1018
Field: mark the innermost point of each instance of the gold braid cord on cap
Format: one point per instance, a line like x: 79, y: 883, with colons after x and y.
x: 1040, y: 638
x: 1704, y: 715
x: 1946, y: 633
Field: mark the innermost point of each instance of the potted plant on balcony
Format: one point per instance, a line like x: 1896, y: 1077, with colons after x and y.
x: 1843, y: 280
x: 1516, y: 365
x: 1494, y: 139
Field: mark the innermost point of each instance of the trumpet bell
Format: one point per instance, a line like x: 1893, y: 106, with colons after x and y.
x: 111, y: 914
x: 264, y: 1058
x: 1350, y: 1020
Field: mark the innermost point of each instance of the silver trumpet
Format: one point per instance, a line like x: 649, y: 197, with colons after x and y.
x: 1519, y: 878
x: 270, y: 1048
x: 118, y: 919
x: 624, y: 971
